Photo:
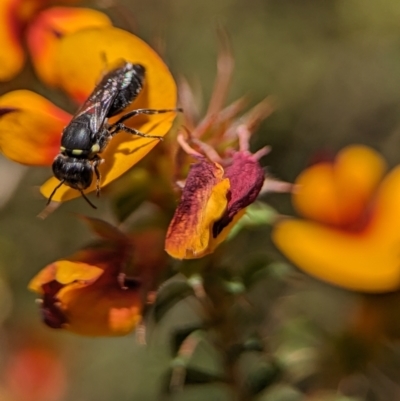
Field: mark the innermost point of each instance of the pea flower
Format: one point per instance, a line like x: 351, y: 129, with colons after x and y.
x: 213, y: 199
x: 42, y: 28
x: 88, y: 293
x: 31, y: 126
x: 350, y: 233
x: 227, y: 177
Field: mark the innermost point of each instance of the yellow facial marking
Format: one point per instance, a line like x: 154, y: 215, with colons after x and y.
x: 77, y: 152
x: 62, y: 149
x: 95, y: 148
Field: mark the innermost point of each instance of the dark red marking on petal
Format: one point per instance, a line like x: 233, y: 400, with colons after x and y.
x: 57, y: 34
x: 130, y: 282
x: 7, y: 110
x: 53, y: 316
x: 246, y: 178
x: 16, y: 24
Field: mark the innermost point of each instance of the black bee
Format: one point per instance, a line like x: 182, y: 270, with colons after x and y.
x: 89, y: 132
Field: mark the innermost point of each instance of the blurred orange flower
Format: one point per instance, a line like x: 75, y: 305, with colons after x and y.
x: 351, y: 234
x: 30, y: 126
x: 43, y: 28
x: 88, y: 293
x: 35, y: 372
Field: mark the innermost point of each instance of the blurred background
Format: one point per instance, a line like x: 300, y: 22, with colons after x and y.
x: 333, y: 67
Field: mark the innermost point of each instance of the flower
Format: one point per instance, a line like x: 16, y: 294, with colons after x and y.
x: 213, y: 200
x: 42, y: 28
x: 351, y: 232
x: 88, y: 293
x: 47, y: 30
x: 30, y: 126
x: 204, y: 201
x: 34, y: 369
x: 227, y: 176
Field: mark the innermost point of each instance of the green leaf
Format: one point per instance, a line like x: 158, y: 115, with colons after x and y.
x: 234, y: 287
x: 129, y: 192
x: 103, y: 229
x: 209, y: 392
x: 263, y: 376
x: 282, y: 392
x: 257, y: 214
x: 200, y: 359
x: 258, y: 371
x: 169, y: 294
x: 253, y: 344
x: 256, y: 270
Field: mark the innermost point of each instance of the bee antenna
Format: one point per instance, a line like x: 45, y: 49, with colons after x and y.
x: 87, y: 200
x: 54, y: 191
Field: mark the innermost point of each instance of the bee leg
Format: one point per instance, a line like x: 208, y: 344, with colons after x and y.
x: 122, y: 127
x: 145, y: 111
x: 87, y: 199
x: 98, y: 176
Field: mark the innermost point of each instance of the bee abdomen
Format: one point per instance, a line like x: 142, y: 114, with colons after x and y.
x: 133, y: 77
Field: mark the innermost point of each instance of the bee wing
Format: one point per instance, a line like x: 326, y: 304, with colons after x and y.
x: 98, y: 104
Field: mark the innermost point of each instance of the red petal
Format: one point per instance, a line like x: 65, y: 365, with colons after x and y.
x: 247, y: 178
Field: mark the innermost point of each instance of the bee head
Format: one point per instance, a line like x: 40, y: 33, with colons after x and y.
x: 74, y: 172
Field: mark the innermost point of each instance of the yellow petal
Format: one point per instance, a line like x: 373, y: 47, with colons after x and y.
x: 65, y: 272
x: 204, y: 201
x: 45, y: 32
x: 68, y: 272
x: 12, y: 56
x: 367, y: 260
x: 88, y: 48
x: 338, y: 193
x: 46, y: 275
x: 30, y: 128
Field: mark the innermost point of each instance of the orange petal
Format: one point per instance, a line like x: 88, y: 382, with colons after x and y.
x: 363, y: 261
x: 100, y: 309
x: 36, y: 364
x: 14, y: 16
x: 88, y: 48
x: 30, y: 128
x: 338, y: 193
x: 203, y: 202
x: 12, y: 56
x: 45, y: 32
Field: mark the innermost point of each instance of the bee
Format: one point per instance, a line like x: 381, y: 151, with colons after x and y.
x: 89, y: 132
